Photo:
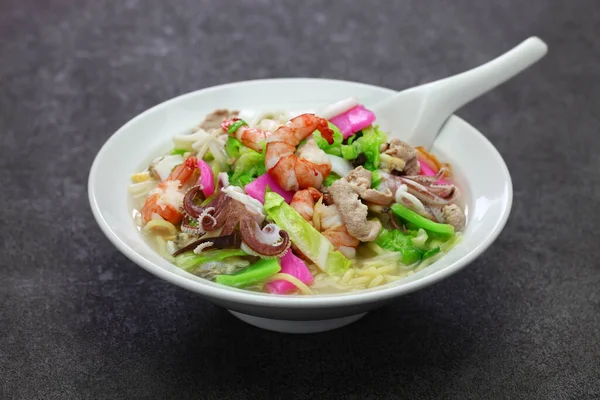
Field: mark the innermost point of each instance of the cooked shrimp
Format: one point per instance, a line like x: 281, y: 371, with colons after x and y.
x: 304, y: 202
x: 325, y: 219
x: 250, y: 137
x: 183, y: 171
x: 332, y: 227
x: 155, y: 204
x: 310, y: 166
x: 342, y: 241
x: 166, y: 199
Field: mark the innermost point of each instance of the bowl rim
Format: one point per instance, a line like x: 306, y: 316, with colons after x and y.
x: 289, y: 301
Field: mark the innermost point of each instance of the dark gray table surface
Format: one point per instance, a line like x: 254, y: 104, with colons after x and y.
x: 78, y: 320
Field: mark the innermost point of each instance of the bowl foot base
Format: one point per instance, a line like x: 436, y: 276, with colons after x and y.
x: 286, y: 326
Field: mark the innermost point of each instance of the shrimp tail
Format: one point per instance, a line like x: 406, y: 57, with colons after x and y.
x: 326, y: 131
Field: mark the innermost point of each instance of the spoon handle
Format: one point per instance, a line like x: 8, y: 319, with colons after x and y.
x: 455, y: 91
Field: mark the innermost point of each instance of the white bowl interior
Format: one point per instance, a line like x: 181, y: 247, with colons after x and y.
x: 480, y: 171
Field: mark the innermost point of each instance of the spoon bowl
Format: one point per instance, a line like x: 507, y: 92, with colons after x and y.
x: 416, y: 115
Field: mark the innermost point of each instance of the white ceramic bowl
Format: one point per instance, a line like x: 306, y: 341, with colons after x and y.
x: 480, y: 170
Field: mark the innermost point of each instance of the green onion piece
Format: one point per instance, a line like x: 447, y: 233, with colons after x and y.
x: 412, y: 217
x: 236, y: 125
x: 178, y: 151
x: 254, y: 274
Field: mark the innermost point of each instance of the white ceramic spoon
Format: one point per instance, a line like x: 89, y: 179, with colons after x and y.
x: 416, y: 115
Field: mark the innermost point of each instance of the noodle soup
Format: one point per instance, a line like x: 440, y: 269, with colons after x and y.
x: 314, y: 204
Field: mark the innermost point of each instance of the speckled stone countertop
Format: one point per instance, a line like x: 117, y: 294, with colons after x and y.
x: 80, y: 321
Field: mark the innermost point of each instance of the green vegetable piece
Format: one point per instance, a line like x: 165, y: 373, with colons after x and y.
x: 369, y: 144
x: 190, y: 261
x: 419, y: 239
x: 252, y: 275
x: 236, y: 125
x: 367, y: 141
x: 354, y: 137
x: 332, y: 177
x: 398, y: 241
x: 310, y: 242
x: 410, y: 216
x: 217, y: 168
x: 411, y: 255
x: 178, y: 151
x: 248, y: 167
x: 349, y: 152
x: 232, y: 147
x: 444, y: 248
x: 431, y: 253
x: 333, y: 148
x: 375, y: 179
